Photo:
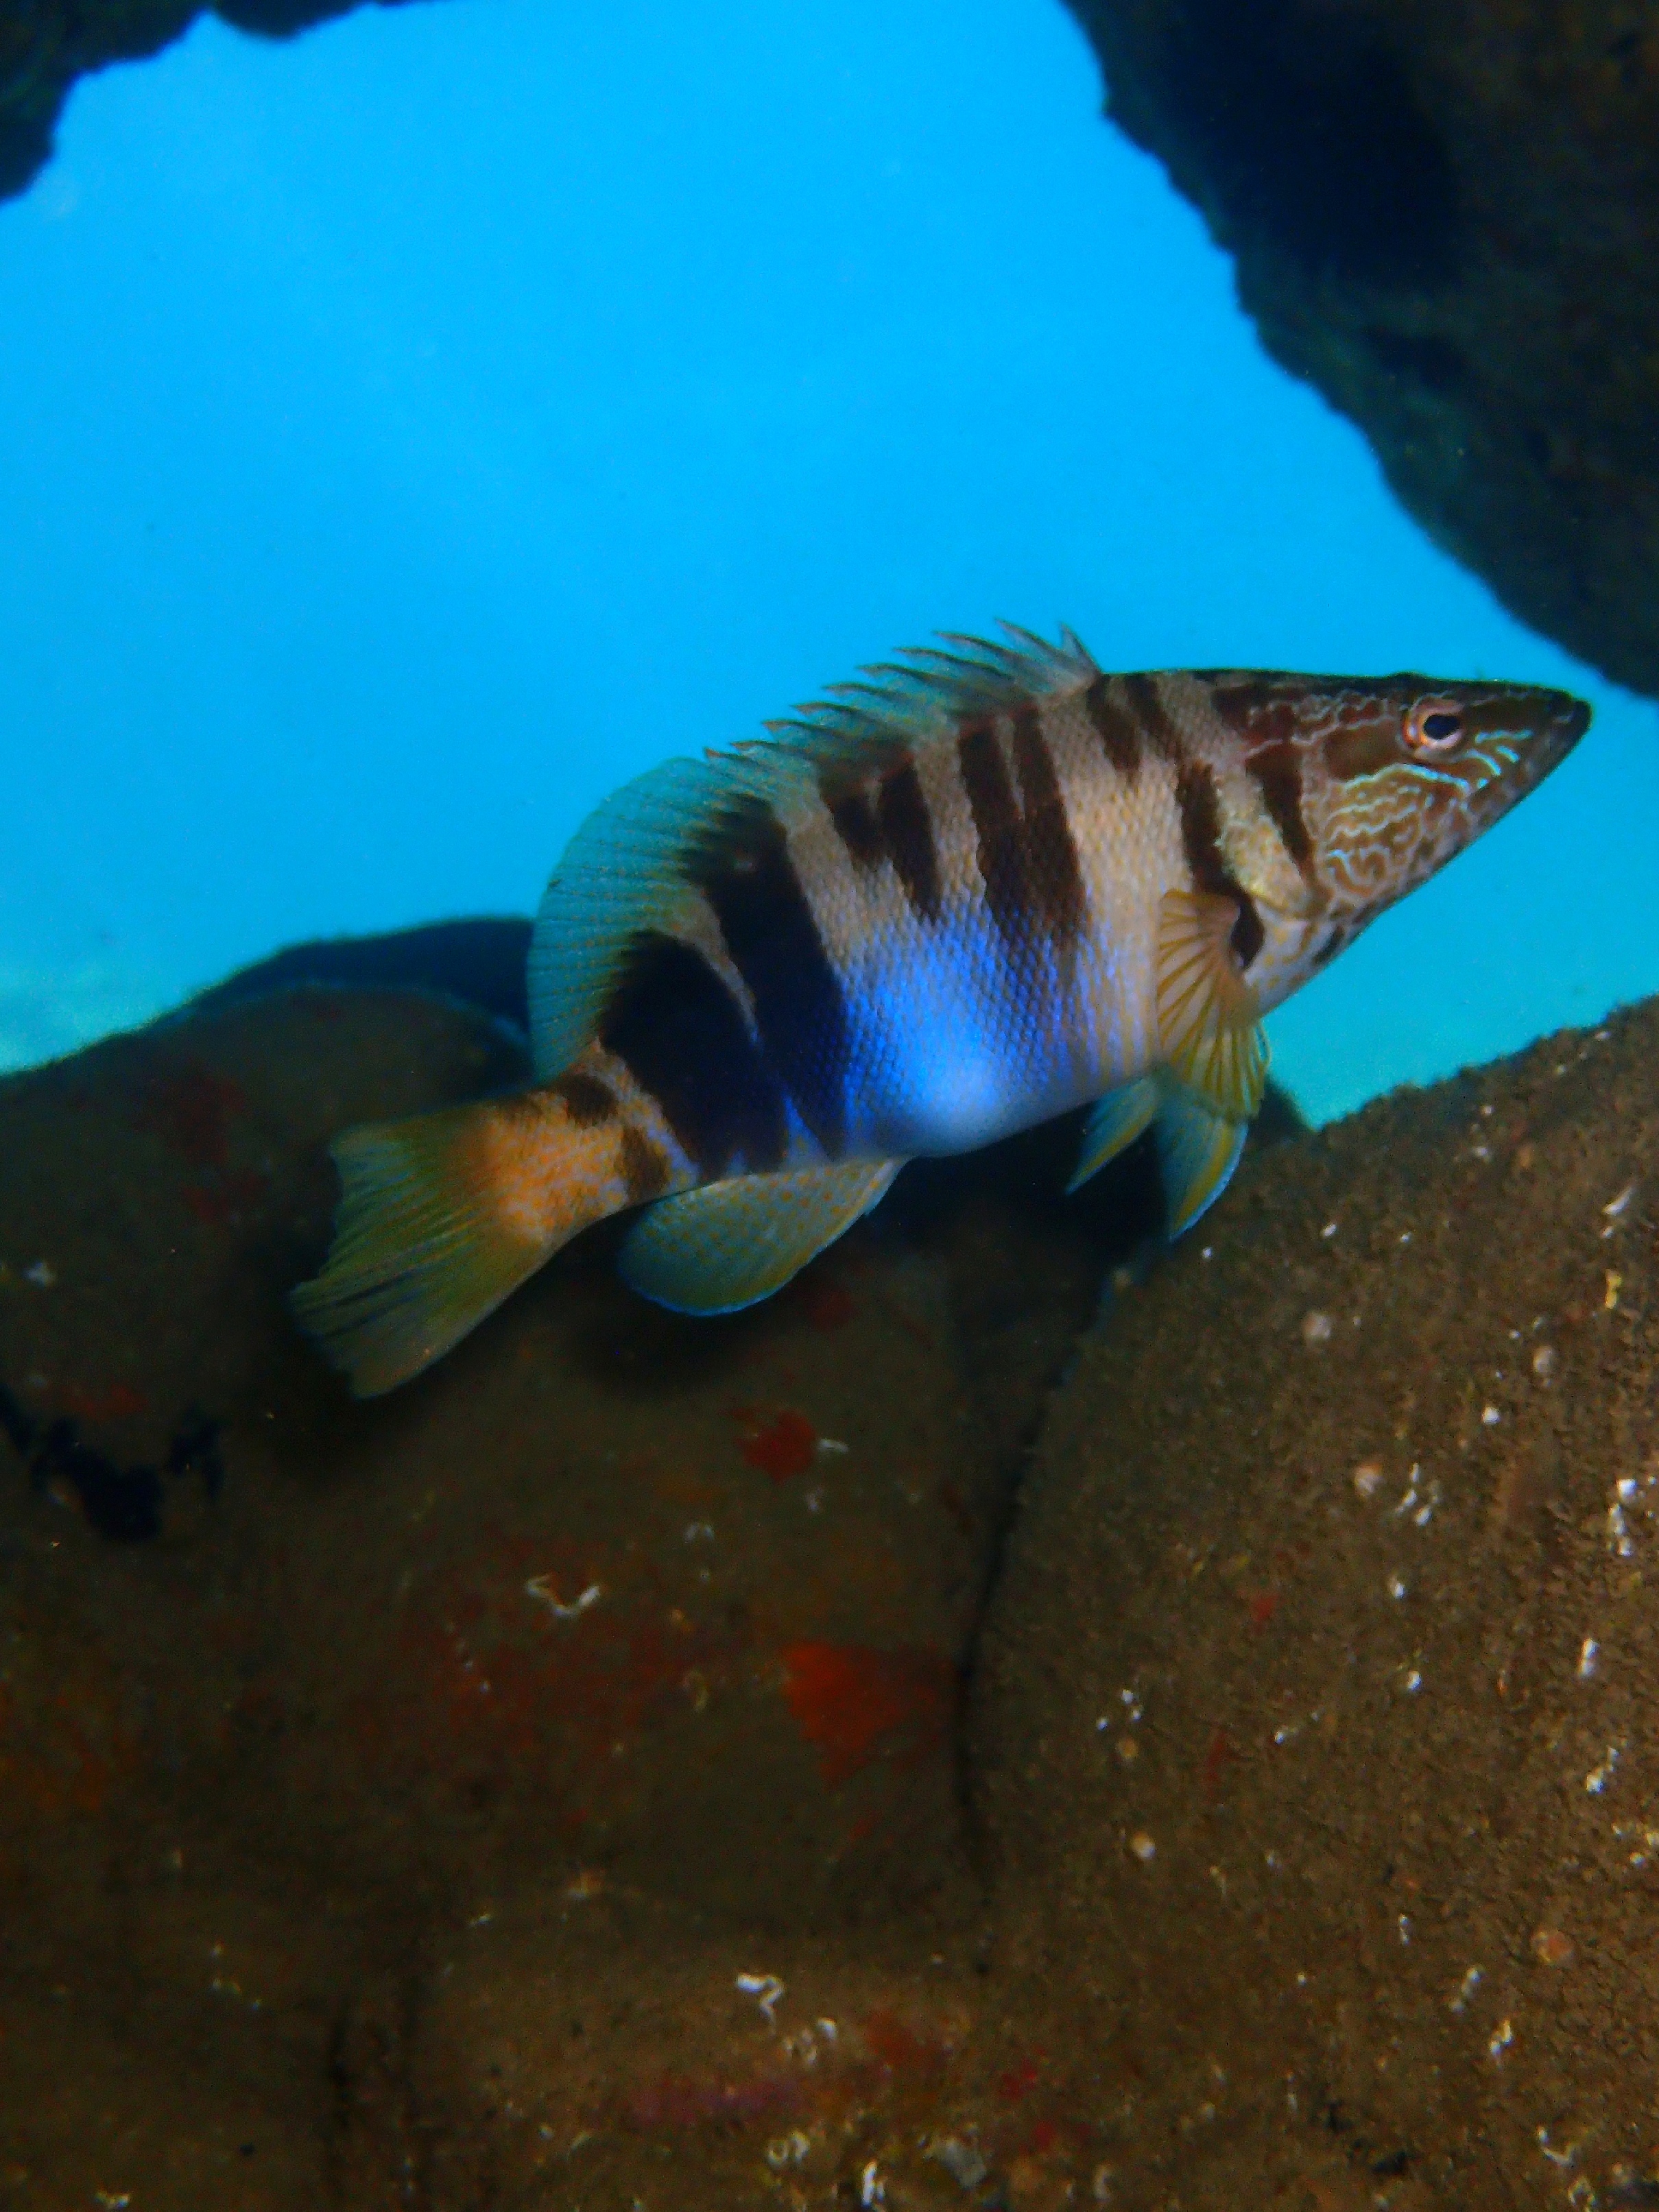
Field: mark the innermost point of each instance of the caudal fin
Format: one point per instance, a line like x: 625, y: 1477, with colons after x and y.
x: 427, y: 1242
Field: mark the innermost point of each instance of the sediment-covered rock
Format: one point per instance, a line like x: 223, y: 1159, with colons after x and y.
x: 356, y: 1759
x: 1448, y: 220
x: 1317, y: 1718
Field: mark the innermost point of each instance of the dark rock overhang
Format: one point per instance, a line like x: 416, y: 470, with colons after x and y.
x: 45, y: 44
x: 1447, y: 219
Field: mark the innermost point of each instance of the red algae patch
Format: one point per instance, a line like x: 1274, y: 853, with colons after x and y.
x: 852, y: 1705
x: 779, y: 1443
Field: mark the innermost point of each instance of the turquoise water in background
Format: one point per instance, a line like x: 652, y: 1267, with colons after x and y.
x: 409, y: 433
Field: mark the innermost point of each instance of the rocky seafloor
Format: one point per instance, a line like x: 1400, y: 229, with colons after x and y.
x: 935, y: 1740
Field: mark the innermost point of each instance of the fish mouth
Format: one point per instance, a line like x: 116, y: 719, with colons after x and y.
x: 1569, y: 717
x: 1559, y: 721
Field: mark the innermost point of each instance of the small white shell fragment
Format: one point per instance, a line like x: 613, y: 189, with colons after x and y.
x: 1329, y: 1230
x: 44, y: 1276
x: 1587, y: 1656
x: 1367, y: 1478
x: 873, y: 2190
x: 1143, y: 1847
x: 1466, y: 1990
x: 832, y: 1445
x: 1410, y: 1498
x: 765, y: 1989
x: 1628, y: 1489
x: 1616, y: 1206
x: 1316, y: 1327
x: 1397, y: 1586
x: 1544, y: 1362
x: 1500, y: 2040
x: 1411, y: 1681
x: 1489, y: 1417
x: 1599, y: 1776
x: 545, y: 1591
x: 964, y: 2162
x: 1555, y: 2157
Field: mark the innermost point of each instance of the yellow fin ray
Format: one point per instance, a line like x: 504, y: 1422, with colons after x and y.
x: 731, y: 1243
x: 1208, y: 1013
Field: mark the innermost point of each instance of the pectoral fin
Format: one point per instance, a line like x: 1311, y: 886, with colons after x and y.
x: 1198, y: 1150
x: 731, y: 1243
x: 1208, y: 1013
x: 1114, y: 1123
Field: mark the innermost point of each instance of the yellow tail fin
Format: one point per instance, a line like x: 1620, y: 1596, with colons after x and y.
x: 440, y: 1220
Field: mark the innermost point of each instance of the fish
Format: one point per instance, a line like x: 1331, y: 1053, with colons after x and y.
x: 983, y: 885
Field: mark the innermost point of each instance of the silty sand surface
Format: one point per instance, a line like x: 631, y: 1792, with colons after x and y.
x: 580, y: 1781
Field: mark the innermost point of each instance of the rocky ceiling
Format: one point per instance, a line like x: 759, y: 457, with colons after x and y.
x: 45, y: 44
x: 1445, y: 217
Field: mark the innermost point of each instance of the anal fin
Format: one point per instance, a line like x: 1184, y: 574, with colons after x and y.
x: 731, y: 1243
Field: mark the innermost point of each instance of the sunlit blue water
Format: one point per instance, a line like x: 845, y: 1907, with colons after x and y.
x: 409, y: 433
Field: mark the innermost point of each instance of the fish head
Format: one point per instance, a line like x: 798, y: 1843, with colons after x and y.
x: 1351, y: 792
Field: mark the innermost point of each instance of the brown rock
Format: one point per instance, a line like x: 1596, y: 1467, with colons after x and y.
x: 349, y: 1753
x: 1395, y: 1736
x: 1448, y: 220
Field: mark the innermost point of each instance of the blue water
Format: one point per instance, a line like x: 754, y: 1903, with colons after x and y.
x: 409, y: 433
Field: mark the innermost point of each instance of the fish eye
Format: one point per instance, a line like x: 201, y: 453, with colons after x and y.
x: 1433, y: 725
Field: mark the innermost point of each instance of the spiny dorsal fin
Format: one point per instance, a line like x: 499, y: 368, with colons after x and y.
x: 628, y: 869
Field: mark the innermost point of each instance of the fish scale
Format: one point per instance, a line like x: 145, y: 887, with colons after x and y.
x: 982, y: 886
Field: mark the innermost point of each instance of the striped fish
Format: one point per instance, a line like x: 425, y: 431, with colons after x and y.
x: 968, y: 894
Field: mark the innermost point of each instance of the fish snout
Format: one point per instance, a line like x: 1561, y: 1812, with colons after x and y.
x: 1569, y: 718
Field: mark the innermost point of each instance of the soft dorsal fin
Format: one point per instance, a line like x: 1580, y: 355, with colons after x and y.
x: 729, y: 1244
x: 633, y: 865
